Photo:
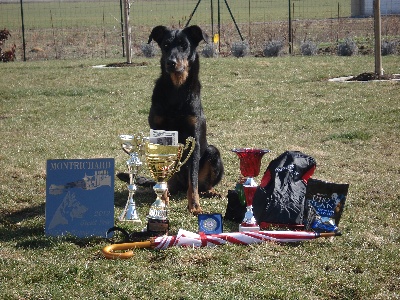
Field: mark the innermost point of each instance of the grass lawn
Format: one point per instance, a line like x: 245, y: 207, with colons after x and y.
x: 67, y: 109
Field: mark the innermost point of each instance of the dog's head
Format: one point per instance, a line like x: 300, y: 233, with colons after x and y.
x: 178, y: 49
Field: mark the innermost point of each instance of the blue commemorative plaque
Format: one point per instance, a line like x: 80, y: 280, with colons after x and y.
x: 79, y: 197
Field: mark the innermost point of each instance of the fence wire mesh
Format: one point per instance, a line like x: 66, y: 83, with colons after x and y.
x: 94, y: 29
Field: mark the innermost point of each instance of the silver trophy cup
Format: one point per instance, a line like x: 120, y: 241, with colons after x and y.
x: 133, y: 145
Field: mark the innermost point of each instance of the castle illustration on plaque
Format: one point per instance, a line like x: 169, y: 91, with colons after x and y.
x: 91, y: 182
x: 79, y: 197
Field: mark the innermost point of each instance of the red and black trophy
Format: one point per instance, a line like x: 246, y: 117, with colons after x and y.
x: 250, y: 163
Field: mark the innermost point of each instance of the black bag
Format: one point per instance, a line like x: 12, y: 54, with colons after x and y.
x: 235, y: 209
x: 280, y: 198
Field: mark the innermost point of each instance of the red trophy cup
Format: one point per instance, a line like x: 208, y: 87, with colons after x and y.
x: 250, y: 163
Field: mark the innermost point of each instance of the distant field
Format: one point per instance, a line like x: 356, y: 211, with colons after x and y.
x: 41, y: 15
x: 48, y: 14
x: 89, y: 29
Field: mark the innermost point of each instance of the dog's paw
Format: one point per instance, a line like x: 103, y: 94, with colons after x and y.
x: 165, y: 197
x: 196, y: 211
x: 140, y: 180
x: 210, y: 194
x: 144, y: 181
x: 195, y: 208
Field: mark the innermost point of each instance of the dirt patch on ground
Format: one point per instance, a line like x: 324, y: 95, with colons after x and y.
x: 126, y: 64
x: 372, y: 76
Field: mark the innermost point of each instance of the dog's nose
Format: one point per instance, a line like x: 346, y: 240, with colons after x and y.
x: 171, y: 63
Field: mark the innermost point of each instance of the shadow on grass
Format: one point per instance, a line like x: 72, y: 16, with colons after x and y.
x: 145, y: 195
x: 26, y: 226
x: 32, y: 235
x: 23, y: 214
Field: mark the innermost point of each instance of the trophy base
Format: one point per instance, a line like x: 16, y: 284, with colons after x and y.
x: 157, y: 227
x: 130, y: 215
x: 243, y: 228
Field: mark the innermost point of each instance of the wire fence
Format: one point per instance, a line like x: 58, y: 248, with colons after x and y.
x: 61, y: 29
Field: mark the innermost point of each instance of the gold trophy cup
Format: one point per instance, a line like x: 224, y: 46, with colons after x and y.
x: 163, y: 161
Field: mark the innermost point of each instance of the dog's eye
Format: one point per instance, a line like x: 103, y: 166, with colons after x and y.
x: 183, y: 45
x: 166, y: 46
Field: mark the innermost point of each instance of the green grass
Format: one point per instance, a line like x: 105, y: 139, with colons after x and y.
x: 67, y: 109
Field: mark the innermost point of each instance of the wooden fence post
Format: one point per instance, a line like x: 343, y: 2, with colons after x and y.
x: 377, y: 34
x: 128, y: 37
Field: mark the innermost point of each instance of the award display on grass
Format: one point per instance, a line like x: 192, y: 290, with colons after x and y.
x: 250, y: 163
x: 79, y: 197
x: 210, y: 223
x: 133, y: 145
x: 163, y: 161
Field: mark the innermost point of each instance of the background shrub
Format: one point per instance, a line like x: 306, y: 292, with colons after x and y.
x: 7, y: 55
x: 308, y: 48
x: 273, y: 48
x: 209, y: 50
x: 347, y: 48
x: 240, y: 49
x: 388, y: 48
x: 148, y: 50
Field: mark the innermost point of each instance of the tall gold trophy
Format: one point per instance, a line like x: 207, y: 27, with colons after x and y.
x: 163, y: 161
x: 133, y: 145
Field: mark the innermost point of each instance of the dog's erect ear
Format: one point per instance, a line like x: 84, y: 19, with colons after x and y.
x: 157, y: 34
x: 195, y: 34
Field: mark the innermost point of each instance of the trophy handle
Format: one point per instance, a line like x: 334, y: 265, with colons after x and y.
x: 191, y: 140
x: 109, y: 251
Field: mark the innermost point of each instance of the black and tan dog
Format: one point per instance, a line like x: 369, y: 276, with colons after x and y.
x: 176, y: 106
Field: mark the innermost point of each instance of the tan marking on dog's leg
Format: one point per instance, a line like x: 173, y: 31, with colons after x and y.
x: 193, y: 200
x: 192, y: 120
x: 158, y: 120
x: 165, y: 197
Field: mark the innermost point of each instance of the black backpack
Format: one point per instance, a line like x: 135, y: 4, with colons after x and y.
x: 280, y: 198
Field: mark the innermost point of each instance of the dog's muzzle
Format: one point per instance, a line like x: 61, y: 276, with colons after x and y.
x: 178, y: 70
x: 175, y: 66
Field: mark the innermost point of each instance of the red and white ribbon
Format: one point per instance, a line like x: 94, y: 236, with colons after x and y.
x: 189, y: 239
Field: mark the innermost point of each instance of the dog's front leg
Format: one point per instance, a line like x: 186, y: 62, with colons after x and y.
x: 193, y: 199
x: 193, y: 189
x: 165, y: 197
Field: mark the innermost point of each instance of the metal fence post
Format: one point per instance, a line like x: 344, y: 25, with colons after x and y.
x: 23, y: 30
x: 290, y: 29
x: 122, y: 27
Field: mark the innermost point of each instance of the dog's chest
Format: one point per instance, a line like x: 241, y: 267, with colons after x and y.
x: 175, y: 105
x: 179, y: 123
